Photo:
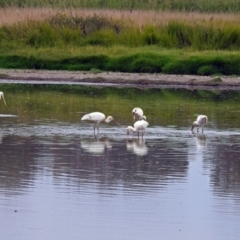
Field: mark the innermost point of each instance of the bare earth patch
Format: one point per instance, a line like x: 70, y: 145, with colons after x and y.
x: 141, y: 80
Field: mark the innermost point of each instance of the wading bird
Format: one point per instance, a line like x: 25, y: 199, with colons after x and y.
x: 139, y: 125
x: 200, y: 122
x: 138, y: 114
x: 96, y: 118
x: 2, y: 97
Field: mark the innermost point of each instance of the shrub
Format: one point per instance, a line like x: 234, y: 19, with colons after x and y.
x: 150, y: 36
x: 207, y: 70
x: 105, y: 37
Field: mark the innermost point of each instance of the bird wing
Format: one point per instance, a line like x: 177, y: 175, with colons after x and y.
x: 202, y: 119
x: 94, y: 116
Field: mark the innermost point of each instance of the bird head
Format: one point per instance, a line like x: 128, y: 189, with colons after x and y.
x: 110, y: 118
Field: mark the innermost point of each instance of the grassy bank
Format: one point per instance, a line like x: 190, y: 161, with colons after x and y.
x: 125, y: 41
x: 134, y: 60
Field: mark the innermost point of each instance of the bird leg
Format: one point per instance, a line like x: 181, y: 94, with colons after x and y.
x: 143, y: 132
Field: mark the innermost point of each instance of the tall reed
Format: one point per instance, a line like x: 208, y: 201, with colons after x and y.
x: 67, y: 28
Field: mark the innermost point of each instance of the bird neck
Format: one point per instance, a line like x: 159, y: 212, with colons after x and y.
x: 130, y: 128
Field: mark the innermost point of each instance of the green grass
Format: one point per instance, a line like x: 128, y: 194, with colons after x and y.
x: 148, y: 59
x: 65, y: 42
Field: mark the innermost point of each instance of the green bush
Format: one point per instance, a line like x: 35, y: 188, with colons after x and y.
x: 150, y: 36
x: 207, y: 70
x: 105, y: 37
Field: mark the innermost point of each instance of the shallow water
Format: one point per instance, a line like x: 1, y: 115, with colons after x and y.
x: 59, y: 181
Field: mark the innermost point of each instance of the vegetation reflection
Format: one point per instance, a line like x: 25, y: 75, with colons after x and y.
x: 163, y: 107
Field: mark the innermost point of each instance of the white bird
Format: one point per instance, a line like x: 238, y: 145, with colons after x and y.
x: 2, y: 97
x: 138, y: 114
x: 139, y: 125
x: 201, y: 121
x: 96, y: 118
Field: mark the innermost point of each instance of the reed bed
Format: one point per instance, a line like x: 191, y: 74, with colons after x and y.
x: 11, y: 15
x: 120, y: 40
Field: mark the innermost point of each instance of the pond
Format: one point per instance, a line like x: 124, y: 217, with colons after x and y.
x: 60, y: 181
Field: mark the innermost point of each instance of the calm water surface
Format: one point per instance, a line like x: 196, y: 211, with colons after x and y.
x: 59, y: 181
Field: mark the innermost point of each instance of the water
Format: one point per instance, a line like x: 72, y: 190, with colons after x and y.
x: 59, y: 181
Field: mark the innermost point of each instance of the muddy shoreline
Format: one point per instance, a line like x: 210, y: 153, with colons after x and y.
x: 117, y: 79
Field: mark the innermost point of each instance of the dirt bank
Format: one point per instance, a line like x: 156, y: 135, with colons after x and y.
x: 142, y: 80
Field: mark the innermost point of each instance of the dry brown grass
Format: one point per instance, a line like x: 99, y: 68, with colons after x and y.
x: 138, y: 18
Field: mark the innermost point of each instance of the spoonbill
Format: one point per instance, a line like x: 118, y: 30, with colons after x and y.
x: 200, y: 122
x: 138, y: 114
x: 139, y: 125
x: 96, y: 118
x: 2, y: 97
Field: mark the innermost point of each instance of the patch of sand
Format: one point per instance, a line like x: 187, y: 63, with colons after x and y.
x: 138, y: 79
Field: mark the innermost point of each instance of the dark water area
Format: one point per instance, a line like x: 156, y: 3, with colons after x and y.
x: 59, y: 181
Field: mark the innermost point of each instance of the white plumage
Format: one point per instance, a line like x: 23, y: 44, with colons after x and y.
x: 96, y: 118
x: 138, y: 114
x: 140, y: 125
x: 201, y: 121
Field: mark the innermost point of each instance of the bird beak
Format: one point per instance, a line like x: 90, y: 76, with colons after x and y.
x: 133, y: 116
x: 4, y: 99
x: 117, y: 122
x: 192, y: 127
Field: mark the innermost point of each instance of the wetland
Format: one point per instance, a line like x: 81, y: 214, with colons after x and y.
x: 59, y: 181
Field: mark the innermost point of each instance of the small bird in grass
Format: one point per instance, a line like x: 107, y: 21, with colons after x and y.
x: 139, y: 125
x: 201, y: 121
x: 138, y: 114
x: 97, y: 118
x: 2, y: 97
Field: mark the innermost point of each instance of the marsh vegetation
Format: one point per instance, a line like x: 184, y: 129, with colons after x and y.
x: 121, y: 38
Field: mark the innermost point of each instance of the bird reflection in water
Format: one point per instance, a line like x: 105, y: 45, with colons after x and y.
x: 96, y: 146
x: 137, y: 146
x: 201, y: 141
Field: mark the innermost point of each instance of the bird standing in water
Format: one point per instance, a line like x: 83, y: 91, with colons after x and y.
x: 138, y: 114
x: 139, y: 125
x: 96, y: 118
x: 201, y: 121
x: 2, y: 97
